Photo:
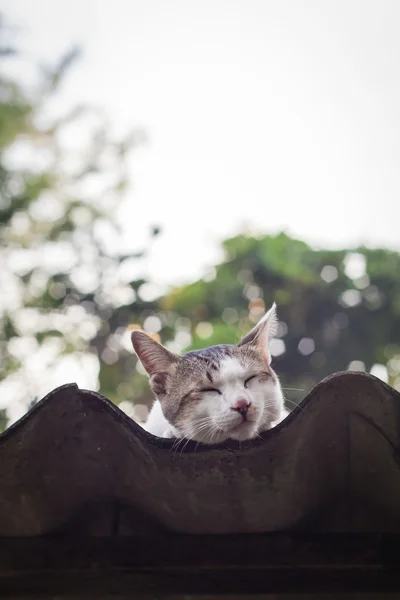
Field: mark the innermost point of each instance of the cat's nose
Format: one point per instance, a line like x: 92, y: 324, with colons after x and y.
x: 241, y: 406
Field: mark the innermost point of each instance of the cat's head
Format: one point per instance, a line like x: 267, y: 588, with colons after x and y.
x: 221, y: 392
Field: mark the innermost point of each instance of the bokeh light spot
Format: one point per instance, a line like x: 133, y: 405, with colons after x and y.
x: 230, y: 315
x: 329, y: 273
x: 306, y: 346
x: 356, y: 365
x: 350, y: 298
x: 204, y: 330
x: 355, y: 265
x: 380, y: 371
x: 277, y: 347
x: 152, y: 324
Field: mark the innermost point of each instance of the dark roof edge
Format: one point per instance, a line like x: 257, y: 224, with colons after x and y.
x: 167, y: 444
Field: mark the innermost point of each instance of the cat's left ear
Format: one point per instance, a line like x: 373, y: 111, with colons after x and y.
x: 260, y: 336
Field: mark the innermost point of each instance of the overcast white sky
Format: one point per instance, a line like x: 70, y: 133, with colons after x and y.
x: 277, y: 114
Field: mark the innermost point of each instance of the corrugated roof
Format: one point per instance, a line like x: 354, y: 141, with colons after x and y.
x: 76, y: 462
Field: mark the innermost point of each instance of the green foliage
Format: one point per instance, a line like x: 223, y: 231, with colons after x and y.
x: 66, y: 292
x: 62, y: 293
x: 330, y: 314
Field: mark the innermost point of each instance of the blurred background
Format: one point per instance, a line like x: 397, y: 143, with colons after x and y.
x: 178, y: 166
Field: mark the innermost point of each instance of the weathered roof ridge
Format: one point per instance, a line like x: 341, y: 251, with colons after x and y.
x: 331, y: 465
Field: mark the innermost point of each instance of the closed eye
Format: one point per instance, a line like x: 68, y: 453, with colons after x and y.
x: 213, y: 390
x: 249, y: 379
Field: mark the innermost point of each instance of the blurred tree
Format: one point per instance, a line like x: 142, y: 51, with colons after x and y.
x: 337, y: 309
x: 68, y: 291
x: 65, y: 280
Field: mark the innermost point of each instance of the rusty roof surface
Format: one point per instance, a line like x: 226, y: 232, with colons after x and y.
x: 76, y: 462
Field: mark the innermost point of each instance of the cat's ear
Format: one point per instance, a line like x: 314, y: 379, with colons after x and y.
x: 153, y: 356
x: 157, y: 360
x: 261, y: 335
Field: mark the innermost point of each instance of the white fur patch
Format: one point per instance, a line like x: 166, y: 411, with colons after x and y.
x: 156, y: 423
x: 231, y: 370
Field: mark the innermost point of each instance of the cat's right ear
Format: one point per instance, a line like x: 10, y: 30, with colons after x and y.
x: 156, y: 359
x: 153, y: 356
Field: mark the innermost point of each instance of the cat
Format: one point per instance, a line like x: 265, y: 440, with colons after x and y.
x: 218, y: 393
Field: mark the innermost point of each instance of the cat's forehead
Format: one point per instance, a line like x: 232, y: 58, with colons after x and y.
x: 210, y: 357
x: 223, y: 360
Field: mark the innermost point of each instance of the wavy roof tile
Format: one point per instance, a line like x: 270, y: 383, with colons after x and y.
x: 76, y: 463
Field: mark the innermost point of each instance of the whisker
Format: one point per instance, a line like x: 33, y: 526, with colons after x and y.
x: 202, y: 425
x: 177, y: 444
x: 208, y: 436
x: 296, y: 404
x: 199, y: 425
x: 181, y: 445
x: 176, y: 441
x: 184, y: 446
x: 213, y: 435
x: 200, y: 441
x: 204, y: 422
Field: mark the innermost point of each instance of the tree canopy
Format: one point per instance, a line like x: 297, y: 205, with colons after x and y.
x: 70, y: 292
x: 338, y: 309
x: 65, y: 279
